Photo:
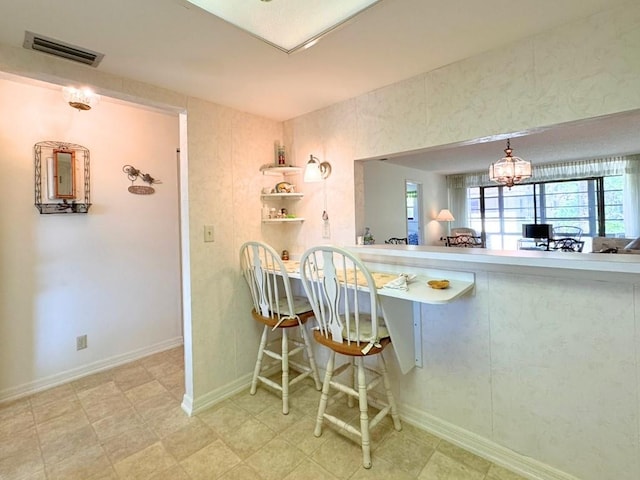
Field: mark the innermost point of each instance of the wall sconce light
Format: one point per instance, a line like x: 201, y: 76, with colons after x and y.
x: 316, y: 171
x: 509, y: 170
x: 80, y: 99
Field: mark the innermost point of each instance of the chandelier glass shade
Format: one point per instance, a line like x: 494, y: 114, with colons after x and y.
x: 509, y: 170
x: 80, y: 98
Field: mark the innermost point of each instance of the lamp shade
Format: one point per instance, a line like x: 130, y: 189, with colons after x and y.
x: 444, y: 216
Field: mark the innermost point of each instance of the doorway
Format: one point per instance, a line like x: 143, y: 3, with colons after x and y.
x: 413, y: 196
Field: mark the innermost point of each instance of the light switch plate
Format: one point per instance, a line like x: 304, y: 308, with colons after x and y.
x: 208, y: 233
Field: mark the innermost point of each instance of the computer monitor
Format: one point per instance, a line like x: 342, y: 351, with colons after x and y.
x: 536, y: 230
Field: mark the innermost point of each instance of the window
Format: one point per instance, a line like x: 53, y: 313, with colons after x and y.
x: 594, y: 205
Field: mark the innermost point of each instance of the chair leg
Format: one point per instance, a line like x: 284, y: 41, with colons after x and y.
x: 256, y: 370
x: 324, y: 397
x: 354, y: 382
x: 390, y: 398
x: 285, y: 372
x: 312, y: 360
x: 364, y: 414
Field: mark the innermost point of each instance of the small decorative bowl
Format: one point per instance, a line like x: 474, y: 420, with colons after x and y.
x: 438, y: 284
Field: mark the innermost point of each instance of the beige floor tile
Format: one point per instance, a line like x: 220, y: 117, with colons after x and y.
x: 128, y: 443
x: 150, y: 461
x: 158, y: 405
x: 211, y: 462
x: 116, y: 424
x: 441, y: 467
x: 40, y: 475
x: 103, y: 401
x: 169, y: 420
x: 309, y: 470
x: 173, y: 380
x: 164, y: 369
x: 131, y: 375
x: 306, y: 400
x: 499, y: 473
x: 276, y: 459
x: 135, y: 429
x: 421, y: 435
x: 243, y: 472
x: 300, y: 434
x: 254, y: 404
x: 92, y: 381
x: 276, y: 420
x: 14, y: 418
x: 145, y: 391
x: 248, y: 438
x: 51, y: 395
x: 59, y: 425
x: 340, y: 456
x: 224, y: 418
x: 189, y: 439
x: 45, y: 412
x: 464, y: 457
x: 66, y: 445
x: 20, y: 456
x: 381, y: 468
x: 405, y: 453
x: 83, y: 464
x: 158, y: 359
x: 174, y: 473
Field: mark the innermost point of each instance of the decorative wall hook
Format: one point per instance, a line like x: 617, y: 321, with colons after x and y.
x: 134, y: 174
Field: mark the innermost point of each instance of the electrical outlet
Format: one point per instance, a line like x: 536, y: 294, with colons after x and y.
x: 81, y: 342
x: 208, y: 233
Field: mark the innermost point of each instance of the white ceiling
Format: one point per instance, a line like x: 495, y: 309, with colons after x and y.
x: 176, y: 45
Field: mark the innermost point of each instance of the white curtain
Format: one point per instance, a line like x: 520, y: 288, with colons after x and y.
x: 628, y: 166
x: 631, y: 200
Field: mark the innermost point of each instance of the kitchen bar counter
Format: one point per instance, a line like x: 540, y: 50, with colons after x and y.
x: 589, y: 264
x: 544, y: 347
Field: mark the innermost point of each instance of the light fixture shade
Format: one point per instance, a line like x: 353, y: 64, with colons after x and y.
x: 444, y: 216
x: 316, y: 171
x: 509, y: 170
x: 80, y: 98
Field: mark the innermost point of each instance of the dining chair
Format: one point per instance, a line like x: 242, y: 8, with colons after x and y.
x: 397, y: 241
x: 345, y: 303
x: 275, y: 306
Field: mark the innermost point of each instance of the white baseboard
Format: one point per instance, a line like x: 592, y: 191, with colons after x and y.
x: 13, y: 393
x: 197, y: 405
x: 481, y: 446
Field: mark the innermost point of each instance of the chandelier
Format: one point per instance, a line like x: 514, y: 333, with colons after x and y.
x: 509, y: 170
x: 80, y: 99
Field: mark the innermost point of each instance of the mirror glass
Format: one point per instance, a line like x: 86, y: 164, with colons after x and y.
x: 64, y: 174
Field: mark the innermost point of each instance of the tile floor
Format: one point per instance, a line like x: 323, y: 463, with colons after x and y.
x: 126, y: 423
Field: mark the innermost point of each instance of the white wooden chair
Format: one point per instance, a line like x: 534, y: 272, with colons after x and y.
x: 343, y: 295
x: 278, y: 309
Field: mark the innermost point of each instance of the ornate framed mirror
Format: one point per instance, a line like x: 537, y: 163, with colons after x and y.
x: 63, y: 177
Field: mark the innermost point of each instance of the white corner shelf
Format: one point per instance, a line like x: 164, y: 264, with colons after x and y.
x: 287, y: 196
x: 283, y: 220
x: 280, y: 170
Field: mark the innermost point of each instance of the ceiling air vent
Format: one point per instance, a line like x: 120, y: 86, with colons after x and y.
x: 34, y: 41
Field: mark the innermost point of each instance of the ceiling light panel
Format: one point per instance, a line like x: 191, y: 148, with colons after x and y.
x: 285, y: 24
